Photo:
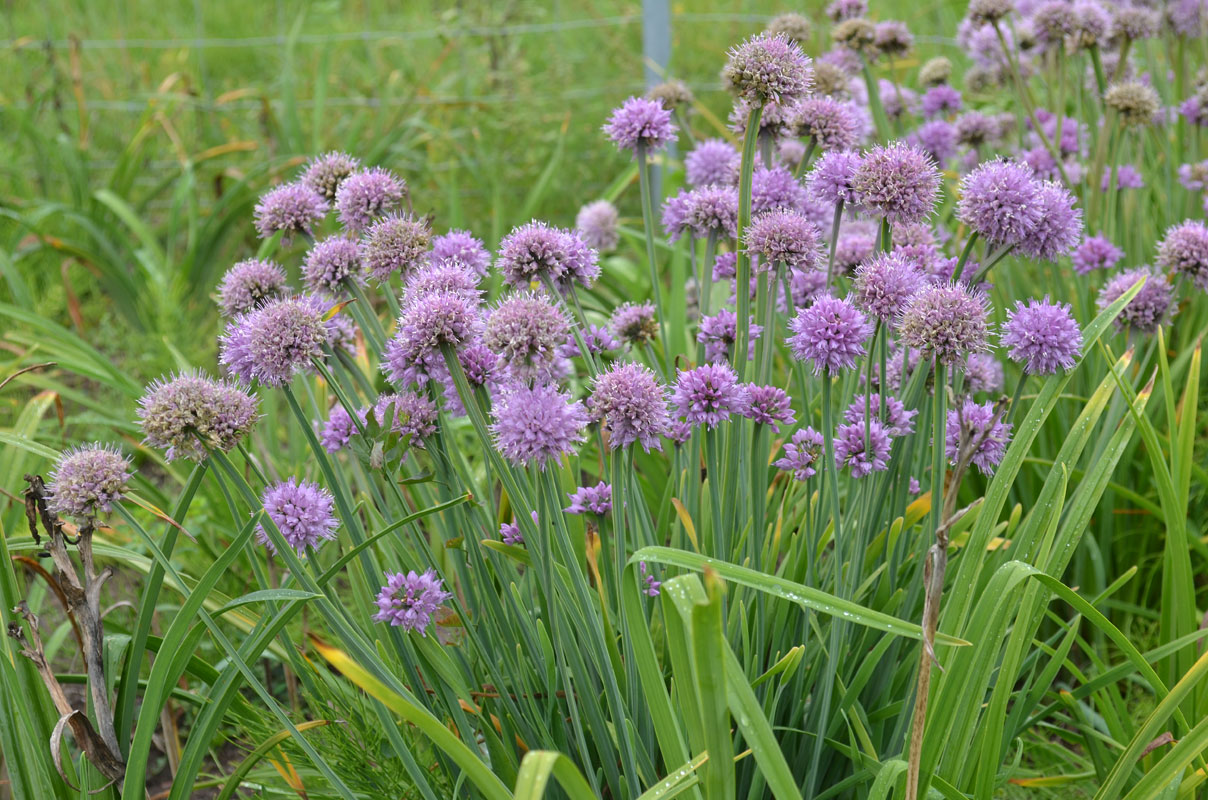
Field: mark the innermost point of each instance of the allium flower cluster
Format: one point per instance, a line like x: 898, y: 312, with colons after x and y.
x: 703, y: 211
x: 399, y: 243
x: 407, y: 414
x: 1095, y: 252
x: 87, y: 480
x: 325, y: 173
x: 898, y: 182
x: 831, y: 123
x: 850, y: 450
x: 292, y: 208
x: 671, y: 93
x: 631, y: 405
x: 330, y: 264
x: 302, y: 512
x: 462, y: 247
x: 884, y: 284
x: 947, y: 320
x: 767, y: 405
x: 1043, y: 336
x: 979, y: 429
x: 640, y: 124
x: 898, y: 420
x: 831, y: 333
x: 776, y: 188
x: 794, y: 27
x: 273, y: 342
x: 983, y: 373
x: 367, y: 195
x: 634, y: 323
x: 409, y: 600
x: 1148, y: 309
x: 440, y: 318
x: 248, y: 284
x: 801, y: 453
x: 718, y: 333
x: 712, y: 161
x: 784, y: 237
x: 597, y: 224
x: 935, y: 72
x: 443, y: 276
x: 708, y: 394
x: 831, y: 179
x: 590, y: 500
x: 537, y: 424
x: 940, y: 100
x: 1136, y: 103
x: 767, y: 68
x: 1000, y: 200
x: 338, y: 430
x: 188, y: 413
x: 524, y: 331
x: 539, y: 252
x: 1184, y: 251
x: 893, y: 38
x: 1060, y: 226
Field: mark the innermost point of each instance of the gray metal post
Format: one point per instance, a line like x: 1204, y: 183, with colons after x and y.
x: 656, y: 52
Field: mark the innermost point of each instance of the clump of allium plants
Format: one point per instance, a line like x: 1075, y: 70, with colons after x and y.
x: 776, y: 496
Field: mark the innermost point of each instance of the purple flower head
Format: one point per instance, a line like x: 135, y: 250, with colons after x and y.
x: 249, y: 284
x: 590, y: 500
x: 831, y: 123
x: 462, y: 247
x: 801, y: 453
x: 850, y: 450
x: 718, y: 332
x: 407, y: 414
x: 940, y: 100
x: 725, y: 266
x: 1127, y: 177
x: 539, y: 252
x: 671, y: 93
x: 1090, y: 25
x: 291, y: 208
x: 330, y: 264
x: 634, y: 323
x: 831, y: 179
x: 898, y: 420
x: 442, y: 276
x: 597, y: 339
x: 536, y: 424
x: 983, y: 373
x: 784, y: 237
x: 893, y: 38
x: 897, y: 100
x: 640, y: 123
x: 947, y: 320
x: 1184, y: 251
x: 708, y: 394
x: 440, y: 318
x: 367, y: 195
x: 1000, y: 200
x: 1186, y: 17
x: 87, y: 480
x: 1194, y: 177
x: 302, y: 512
x: 793, y: 26
x: 273, y: 342
x: 597, y: 225
x: 338, y: 430
x: 913, y: 487
x: 409, y: 601
x: 325, y: 173
x: 776, y: 188
x: 898, y: 182
x: 775, y: 121
x: 986, y: 12
x: 1043, y: 336
x: 805, y: 286
x: 884, y: 284
x: 831, y: 333
x: 975, y: 129
x: 398, y: 243
x: 767, y: 68
x: 767, y: 405
x: 190, y: 412
x: 712, y: 161
x: 1060, y: 227
x: 936, y: 138
x: 1095, y: 252
x: 1134, y: 22
x: 840, y: 10
x: 979, y: 429
x: 524, y: 331
x: 711, y: 209
x: 1053, y: 20
x: 1148, y: 309
x: 510, y: 532
x: 631, y: 405
x: 1195, y: 110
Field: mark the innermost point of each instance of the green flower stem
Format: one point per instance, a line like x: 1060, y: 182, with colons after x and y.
x: 743, y: 267
x: 644, y: 181
x: 834, y: 241
x: 366, y: 317
x: 804, y: 164
x: 1025, y: 96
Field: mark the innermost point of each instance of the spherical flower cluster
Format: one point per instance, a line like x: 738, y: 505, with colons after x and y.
x: 87, y: 480
x: 338, y: 430
x: 409, y: 600
x: 831, y: 123
x: 325, y: 173
x: 983, y: 373
x: 939, y: 100
x: 977, y: 428
x: 439, y: 319
x: 640, y: 124
x: 634, y: 323
x: 248, y: 284
x: 857, y: 35
x: 1148, y: 309
x: 936, y: 72
x: 442, y: 276
x: 524, y: 331
x: 947, y: 320
x: 330, y: 264
x: 712, y: 161
x: 1000, y: 200
x: 987, y: 12
x: 1060, y: 225
x: 1095, y: 252
x: 596, y: 339
x: 538, y: 252
x: 850, y: 450
x: 839, y: 10
x: 831, y: 333
x: 590, y: 500
x: 1134, y: 22
x: 801, y: 453
x: 190, y: 413
x: 893, y: 38
x: 898, y: 182
x: 718, y: 332
x: 974, y: 129
x: 794, y: 27
x: 631, y: 405
x: 708, y: 394
x: 367, y: 195
x: 1136, y: 103
x: 462, y: 247
x: 302, y: 512
x: 767, y: 405
x: 597, y: 224
x: 831, y: 179
x: 784, y: 237
x: 273, y: 342
x: 830, y: 79
x: 407, y: 414
x: 537, y: 424
x: 936, y: 138
x: 767, y: 68
x: 398, y: 243
x: 776, y: 188
x: 884, y: 284
x: 706, y: 210
x: 1090, y: 25
x: 1043, y: 336
x: 1184, y: 250
x: 291, y: 208
x: 1194, y: 177
x: 898, y: 420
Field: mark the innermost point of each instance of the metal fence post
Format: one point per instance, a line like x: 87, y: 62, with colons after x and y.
x: 656, y: 55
